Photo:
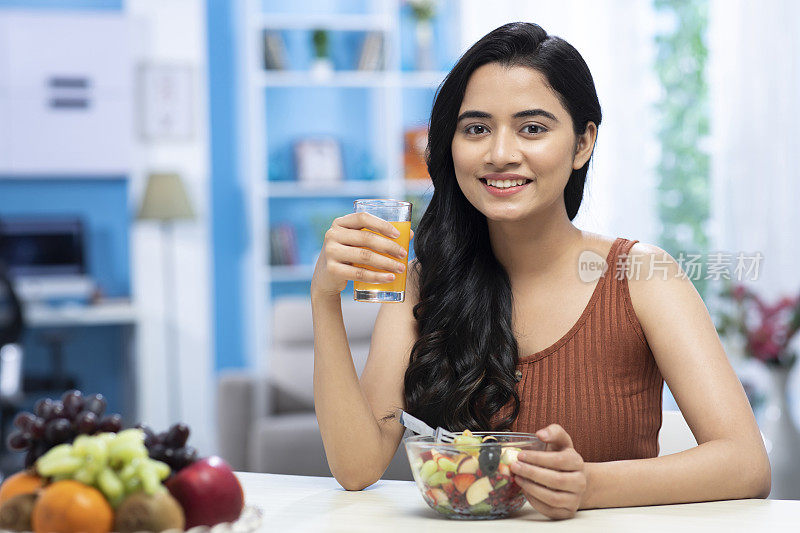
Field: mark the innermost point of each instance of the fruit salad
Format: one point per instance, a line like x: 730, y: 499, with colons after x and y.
x: 84, y: 472
x: 470, y: 478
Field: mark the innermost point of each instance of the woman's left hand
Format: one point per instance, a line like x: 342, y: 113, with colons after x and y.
x: 554, y: 481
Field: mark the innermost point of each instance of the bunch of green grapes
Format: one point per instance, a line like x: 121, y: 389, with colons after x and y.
x: 115, y: 463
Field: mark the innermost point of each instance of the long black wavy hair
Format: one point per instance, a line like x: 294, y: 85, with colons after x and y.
x: 461, y: 370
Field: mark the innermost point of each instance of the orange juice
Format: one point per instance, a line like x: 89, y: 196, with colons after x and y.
x: 398, y: 284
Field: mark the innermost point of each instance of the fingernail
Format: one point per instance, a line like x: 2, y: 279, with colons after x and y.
x: 395, y: 234
x: 543, y: 434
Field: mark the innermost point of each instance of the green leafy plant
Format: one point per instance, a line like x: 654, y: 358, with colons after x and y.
x: 423, y: 9
x: 321, y: 44
x: 684, y: 167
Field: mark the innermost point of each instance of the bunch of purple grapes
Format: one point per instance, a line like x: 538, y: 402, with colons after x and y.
x: 170, y: 446
x: 58, y: 422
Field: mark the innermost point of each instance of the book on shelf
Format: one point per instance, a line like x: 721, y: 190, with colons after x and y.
x: 371, y: 57
x: 274, y: 51
x: 416, y: 140
x: 282, y: 245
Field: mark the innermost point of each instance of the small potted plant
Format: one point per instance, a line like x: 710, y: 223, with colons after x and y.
x: 424, y: 11
x: 322, y: 66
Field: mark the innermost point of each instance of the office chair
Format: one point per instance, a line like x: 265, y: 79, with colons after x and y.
x: 11, y: 329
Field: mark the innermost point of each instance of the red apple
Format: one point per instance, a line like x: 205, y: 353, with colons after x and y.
x: 208, y: 491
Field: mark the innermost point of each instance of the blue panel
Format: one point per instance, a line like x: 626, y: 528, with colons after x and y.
x: 103, y: 206
x: 417, y: 105
x: 62, y: 4
x: 228, y: 223
x: 314, y: 111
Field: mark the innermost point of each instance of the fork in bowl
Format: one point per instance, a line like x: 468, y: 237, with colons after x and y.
x: 421, y: 428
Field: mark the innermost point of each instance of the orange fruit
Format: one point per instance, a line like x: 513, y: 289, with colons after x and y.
x: 71, y: 507
x: 23, y: 482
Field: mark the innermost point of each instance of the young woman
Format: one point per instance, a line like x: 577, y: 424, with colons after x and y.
x: 501, y: 330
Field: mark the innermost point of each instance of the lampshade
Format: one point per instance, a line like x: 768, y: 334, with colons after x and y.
x: 165, y: 198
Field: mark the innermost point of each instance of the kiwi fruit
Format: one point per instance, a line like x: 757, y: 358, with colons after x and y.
x: 15, y: 513
x: 142, y: 512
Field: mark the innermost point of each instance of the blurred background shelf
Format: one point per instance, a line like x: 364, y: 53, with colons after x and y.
x: 288, y: 273
x: 351, y: 78
x: 294, y: 189
x: 330, y: 22
x: 313, y: 190
x: 376, y: 111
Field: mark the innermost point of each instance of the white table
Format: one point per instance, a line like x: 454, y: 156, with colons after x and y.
x: 303, y: 503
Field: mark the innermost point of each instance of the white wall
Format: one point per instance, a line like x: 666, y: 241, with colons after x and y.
x: 174, y: 32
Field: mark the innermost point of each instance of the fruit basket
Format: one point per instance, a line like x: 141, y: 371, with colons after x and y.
x: 250, y: 521
x: 85, y: 472
x: 471, y: 477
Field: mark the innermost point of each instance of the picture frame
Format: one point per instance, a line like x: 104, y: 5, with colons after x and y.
x: 166, y: 102
x: 318, y: 160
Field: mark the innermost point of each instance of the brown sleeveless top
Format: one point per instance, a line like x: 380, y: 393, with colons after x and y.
x: 600, y: 381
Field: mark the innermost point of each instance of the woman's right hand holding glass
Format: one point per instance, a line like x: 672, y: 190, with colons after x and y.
x: 346, y: 248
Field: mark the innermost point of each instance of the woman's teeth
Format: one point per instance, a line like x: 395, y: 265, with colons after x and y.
x: 504, y: 184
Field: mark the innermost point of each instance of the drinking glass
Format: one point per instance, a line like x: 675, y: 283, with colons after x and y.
x: 398, y: 213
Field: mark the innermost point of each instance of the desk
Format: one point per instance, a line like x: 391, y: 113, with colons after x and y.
x: 103, y: 314
x: 302, y: 503
x: 108, y: 313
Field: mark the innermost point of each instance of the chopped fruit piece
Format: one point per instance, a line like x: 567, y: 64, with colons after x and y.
x: 463, y: 481
x: 428, y: 468
x: 509, y: 455
x: 481, y: 508
x: 468, y: 465
x: 437, y: 478
x: 439, y: 497
x: 503, y: 469
x: 488, y: 438
x: 446, y: 464
x: 450, y: 475
x: 467, y: 442
x: 426, y: 456
x: 479, y: 491
x: 500, y: 484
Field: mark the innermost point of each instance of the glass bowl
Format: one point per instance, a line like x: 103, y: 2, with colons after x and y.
x: 470, y: 478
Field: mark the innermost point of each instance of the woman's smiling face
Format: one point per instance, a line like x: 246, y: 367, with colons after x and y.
x: 511, y: 124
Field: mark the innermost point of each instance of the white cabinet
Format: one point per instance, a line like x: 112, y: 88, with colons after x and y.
x: 65, y: 94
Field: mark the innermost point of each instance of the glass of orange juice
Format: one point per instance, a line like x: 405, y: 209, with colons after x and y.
x: 398, y: 213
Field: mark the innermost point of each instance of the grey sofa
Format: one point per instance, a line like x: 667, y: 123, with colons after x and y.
x: 268, y: 424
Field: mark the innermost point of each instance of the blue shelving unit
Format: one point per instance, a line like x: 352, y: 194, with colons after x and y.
x: 366, y: 111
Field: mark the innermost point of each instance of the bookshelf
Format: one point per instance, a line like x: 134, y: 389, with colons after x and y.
x: 368, y: 111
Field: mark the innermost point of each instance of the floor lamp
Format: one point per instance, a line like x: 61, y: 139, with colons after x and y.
x: 165, y: 200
